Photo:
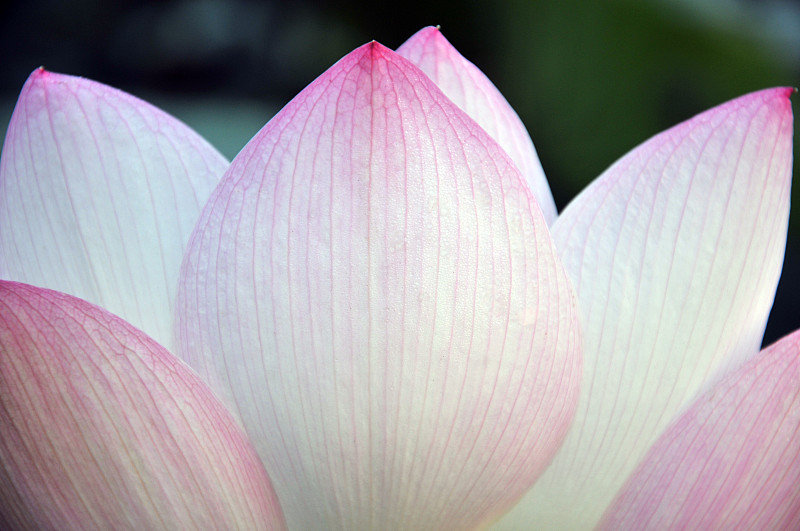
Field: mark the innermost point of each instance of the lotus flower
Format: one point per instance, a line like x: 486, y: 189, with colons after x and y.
x: 387, y: 325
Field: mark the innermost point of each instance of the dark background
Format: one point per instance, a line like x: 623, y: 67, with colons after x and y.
x: 590, y: 79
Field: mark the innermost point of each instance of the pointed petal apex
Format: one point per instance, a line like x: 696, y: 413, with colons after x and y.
x: 675, y: 252
x: 374, y: 284
x: 99, y: 193
x: 471, y: 90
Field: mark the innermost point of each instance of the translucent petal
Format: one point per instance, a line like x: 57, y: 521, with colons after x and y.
x: 732, y: 461
x: 376, y: 287
x: 101, y: 428
x: 99, y: 192
x: 471, y: 90
x: 675, y: 253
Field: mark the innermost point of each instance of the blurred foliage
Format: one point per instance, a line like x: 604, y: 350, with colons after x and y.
x: 601, y: 77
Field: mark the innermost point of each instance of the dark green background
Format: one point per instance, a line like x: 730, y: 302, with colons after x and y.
x: 590, y: 79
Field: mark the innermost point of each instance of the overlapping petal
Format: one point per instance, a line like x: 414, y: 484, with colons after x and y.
x: 675, y: 253
x: 471, y: 90
x: 376, y: 288
x: 732, y: 461
x: 101, y: 428
x: 99, y: 192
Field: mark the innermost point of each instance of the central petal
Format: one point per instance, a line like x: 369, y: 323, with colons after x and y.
x: 374, y: 287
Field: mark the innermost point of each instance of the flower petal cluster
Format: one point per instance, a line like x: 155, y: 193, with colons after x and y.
x: 374, y: 318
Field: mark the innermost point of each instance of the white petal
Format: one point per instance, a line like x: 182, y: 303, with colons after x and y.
x: 471, y: 90
x: 377, y: 288
x: 99, y: 192
x: 675, y: 253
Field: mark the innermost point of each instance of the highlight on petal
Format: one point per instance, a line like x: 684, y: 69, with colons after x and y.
x: 375, y: 286
x: 675, y: 253
x: 99, y: 192
x: 101, y: 428
x: 471, y: 90
x: 732, y: 461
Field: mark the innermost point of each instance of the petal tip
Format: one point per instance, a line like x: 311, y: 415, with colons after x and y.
x: 431, y: 38
x: 42, y: 76
x: 780, y: 95
x: 430, y: 32
x: 374, y: 49
x: 38, y: 77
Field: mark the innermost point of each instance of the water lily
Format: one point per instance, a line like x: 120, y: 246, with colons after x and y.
x: 399, y: 326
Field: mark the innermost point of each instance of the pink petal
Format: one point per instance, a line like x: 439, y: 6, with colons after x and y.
x: 377, y: 288
x: 101, y: 428
x: 99, y: 192
x: 471, y: 90
x: 732, y: 461
x: 675, y: 252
